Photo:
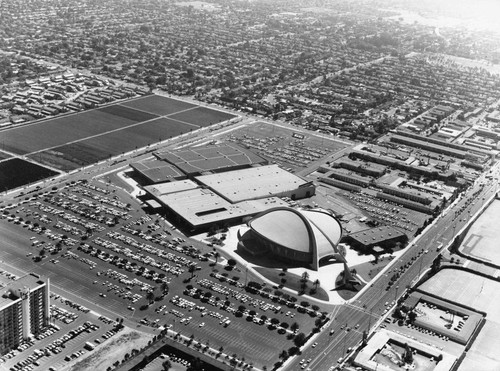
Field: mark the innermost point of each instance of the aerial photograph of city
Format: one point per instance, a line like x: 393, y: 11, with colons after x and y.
x: 266, y: 185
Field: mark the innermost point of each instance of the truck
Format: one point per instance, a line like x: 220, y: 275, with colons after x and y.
x: 89, y: 346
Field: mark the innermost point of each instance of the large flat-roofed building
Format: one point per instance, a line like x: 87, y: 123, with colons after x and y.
x: 227, y: 197
x: 299, y: 236
x: 212, y: 158
x: 24, y: 310
x: 198, y: 208
x: 257, y: 182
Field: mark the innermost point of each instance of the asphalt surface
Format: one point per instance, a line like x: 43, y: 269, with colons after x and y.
x: 361, y: 314
x: 69, y: 280
x: 75, y: 280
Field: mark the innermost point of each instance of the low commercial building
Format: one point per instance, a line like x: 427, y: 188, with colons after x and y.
x: 385, y: 237
x: 349, y: 177
x: 384, y: 352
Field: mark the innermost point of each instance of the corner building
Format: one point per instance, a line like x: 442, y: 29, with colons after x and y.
x: 24, y: 310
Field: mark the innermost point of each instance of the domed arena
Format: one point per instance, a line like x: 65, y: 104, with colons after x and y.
x: 295, y: 235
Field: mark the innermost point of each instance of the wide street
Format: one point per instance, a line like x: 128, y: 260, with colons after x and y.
x: 361, y: 314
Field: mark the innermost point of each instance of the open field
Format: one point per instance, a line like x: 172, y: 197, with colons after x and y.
x: 16, y: 172
x: 105, y: 355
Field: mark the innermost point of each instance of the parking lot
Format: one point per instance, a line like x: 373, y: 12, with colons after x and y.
x: 292, y: 149
x: 89, y: 240
x: 71, y: 326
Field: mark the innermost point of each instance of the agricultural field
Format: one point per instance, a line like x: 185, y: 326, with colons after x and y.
x: 85, y: 152
x: 72, y: 141
x: 47, y: 134
x: 156, y: 104
x: 202, y: 116
x: 4, y: 155
x: 16, y: 172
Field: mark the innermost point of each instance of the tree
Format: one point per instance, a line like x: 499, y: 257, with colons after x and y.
x: 167, y: 365
x: 150, y: 297
x: 192, y: 269
x: 165, y: 288
x: 316, y: 284
x: 303, y: 280
x: 412, y: 316
x: 299, y: 339
x: 195, y: 365
x: 231, y: 262
x: 283, y: 355
x: 294, y: 326
x: 408, y: 355
x: 216, y: 256
x: 436, y: 264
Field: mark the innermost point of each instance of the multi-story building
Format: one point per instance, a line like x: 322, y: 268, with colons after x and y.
x: 24, y: 310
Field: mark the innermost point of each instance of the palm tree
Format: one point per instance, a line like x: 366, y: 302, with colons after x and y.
x: 316, y: 284
x: 192, y: 269
x: 305, y: 276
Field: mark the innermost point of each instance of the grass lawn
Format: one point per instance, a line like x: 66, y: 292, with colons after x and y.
x: 293, y: 282
x: 369, y: 270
